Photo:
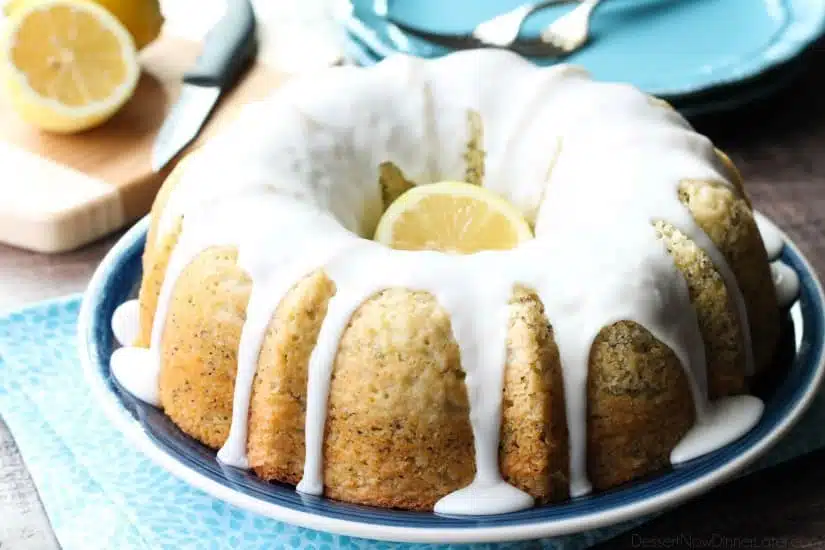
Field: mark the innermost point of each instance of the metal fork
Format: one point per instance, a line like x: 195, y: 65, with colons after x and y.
x: 503, y: 30
x: 572, y: 30
x: 526, y: 47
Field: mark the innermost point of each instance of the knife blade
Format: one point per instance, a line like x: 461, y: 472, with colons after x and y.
x: 228, y: 49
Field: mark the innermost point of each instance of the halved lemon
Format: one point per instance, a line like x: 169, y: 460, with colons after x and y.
x: 142, y: 18
x: 67, y: 65
x: 452, y: 217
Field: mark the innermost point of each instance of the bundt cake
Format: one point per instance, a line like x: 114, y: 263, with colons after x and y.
x: 622, y: 338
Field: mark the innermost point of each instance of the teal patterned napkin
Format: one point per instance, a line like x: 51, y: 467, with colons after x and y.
x: 99, y: 492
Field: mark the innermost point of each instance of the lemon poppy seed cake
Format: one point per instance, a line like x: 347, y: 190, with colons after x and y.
x: 617, y: 335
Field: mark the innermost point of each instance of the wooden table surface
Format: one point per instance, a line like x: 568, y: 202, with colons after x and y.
x: 779, y: 145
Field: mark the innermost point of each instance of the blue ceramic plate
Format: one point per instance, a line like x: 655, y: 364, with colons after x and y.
x: 118, y: 275
x: 360, y: 41
x: 665, y: 47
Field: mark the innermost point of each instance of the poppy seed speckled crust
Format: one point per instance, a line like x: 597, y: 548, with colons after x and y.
x: 393, y: 183
x: 398, y: 432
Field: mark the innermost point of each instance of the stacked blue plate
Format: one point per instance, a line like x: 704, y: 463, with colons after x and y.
x: 702, y: 56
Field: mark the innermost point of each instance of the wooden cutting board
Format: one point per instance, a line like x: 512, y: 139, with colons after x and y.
x: 58, y: 193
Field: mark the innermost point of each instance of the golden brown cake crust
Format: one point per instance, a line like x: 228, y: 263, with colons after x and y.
x: 715, y: 313
x: 729, y: 223
x: 397, y: 431
x: 534, y: 452
x: 199, y: 346
x: 157, y: 251
x: 155, y: 263
x: 383, y: 446
x: 278, y: 405
x: 639, y: 405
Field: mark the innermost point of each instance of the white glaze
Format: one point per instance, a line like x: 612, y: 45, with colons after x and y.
x: 134, y: 369
x: 727, y: 420
x: 126, y: 323
x: 786, y: 282
x: 292, y: 184
x: 480, y: 498
x: 771, y: 236
x: 129, y: 365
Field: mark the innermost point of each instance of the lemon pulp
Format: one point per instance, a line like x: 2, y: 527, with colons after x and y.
x: 452, y: 217
x: 68, y: 65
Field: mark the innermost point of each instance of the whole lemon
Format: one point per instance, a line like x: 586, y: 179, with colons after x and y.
x: 142, y: 18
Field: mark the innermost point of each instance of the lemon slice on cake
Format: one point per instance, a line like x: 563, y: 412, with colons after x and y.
x: 68, y: 65
x: 452, y: 217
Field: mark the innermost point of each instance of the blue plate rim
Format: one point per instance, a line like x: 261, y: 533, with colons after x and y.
x: 797, y: 35
x: 360, y: 52
x: 92, y: 322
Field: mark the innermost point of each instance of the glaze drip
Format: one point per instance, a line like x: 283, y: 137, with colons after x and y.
x: 771, y: 236
x: 786, y: 282
x: 124, y: 329
x: 307, y: 196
